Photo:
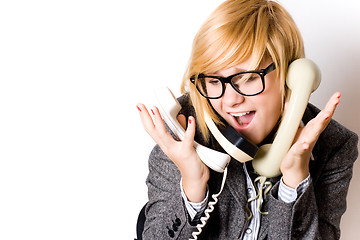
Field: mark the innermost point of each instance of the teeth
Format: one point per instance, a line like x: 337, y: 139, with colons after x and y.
x: 239, y: 114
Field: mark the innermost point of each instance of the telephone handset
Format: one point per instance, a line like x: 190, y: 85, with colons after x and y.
x: 169, y: 108
x: 303, y: 78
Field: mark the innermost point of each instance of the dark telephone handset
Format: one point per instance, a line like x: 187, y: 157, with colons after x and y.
x: 169, y: 108
x: 232, y: 142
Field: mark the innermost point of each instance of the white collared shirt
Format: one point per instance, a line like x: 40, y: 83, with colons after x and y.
x: 285, y: 194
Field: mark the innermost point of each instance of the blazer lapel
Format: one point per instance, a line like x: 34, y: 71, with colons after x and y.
x: 236, y: 183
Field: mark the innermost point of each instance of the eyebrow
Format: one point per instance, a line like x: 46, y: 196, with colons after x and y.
x: 237, y: 70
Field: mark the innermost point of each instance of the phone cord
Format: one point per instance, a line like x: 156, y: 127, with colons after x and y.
x: 209, y: 209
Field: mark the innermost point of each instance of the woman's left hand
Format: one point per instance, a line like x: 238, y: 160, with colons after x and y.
x: 295, y: 165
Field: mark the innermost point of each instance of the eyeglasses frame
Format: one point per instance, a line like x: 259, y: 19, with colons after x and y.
x: 223, y: 80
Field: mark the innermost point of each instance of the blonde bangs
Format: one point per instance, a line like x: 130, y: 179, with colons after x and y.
x: 223, y: 44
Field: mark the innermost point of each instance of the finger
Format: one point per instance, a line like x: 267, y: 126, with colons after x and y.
x: 330, y: 107
x: 311, y: 132
x: 190, y: 132
x: 145, y: 118
x: 316, y: 126
x: 182, y: 120
x: 159, y: 123
x: 297, y: 151
x: 323, y: 118
x: 332, y: 103
x: 300, y: 148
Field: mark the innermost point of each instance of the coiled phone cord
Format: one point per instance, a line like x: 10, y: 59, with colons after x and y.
x: 209, y: 209
x: 261, y: 192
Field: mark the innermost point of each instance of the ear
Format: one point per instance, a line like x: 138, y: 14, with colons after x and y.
x: 286, y: 98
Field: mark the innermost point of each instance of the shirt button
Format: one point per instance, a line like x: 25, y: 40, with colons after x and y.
x: 171, y: 233
x: 175, y: 227
x: 248, y: 231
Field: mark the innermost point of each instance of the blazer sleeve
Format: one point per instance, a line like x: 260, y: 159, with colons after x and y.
x: 166, y: 215
x: 317, y: 212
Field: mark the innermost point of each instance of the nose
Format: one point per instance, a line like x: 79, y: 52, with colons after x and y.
x: 231, y: 98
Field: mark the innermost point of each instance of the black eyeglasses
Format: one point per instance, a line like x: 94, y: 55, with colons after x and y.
x: 249, y: 83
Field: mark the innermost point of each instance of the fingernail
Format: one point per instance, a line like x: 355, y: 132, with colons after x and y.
x: 327, y: 116
x: 152, y: 112
x: 189, y: 121
x: 138, y: 108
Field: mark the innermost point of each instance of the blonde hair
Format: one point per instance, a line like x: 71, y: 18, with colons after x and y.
x: 236, y: 30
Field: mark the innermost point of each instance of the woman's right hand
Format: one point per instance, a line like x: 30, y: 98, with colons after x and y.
x: 194, y: 172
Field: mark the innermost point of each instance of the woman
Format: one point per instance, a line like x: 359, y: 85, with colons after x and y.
x: 309, y: 197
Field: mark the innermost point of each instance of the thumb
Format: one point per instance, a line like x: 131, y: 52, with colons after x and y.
x: 299, y: 148
x: 190, y: 132
x: 295, y: 154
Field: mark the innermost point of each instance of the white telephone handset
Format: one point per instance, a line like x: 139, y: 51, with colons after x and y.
x: 303, y: 78
x: 169, y: 108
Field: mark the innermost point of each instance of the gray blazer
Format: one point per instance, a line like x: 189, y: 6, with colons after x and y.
x: 315, y: 214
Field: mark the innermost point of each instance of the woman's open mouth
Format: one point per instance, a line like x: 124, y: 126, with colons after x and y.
x: 243, y: 119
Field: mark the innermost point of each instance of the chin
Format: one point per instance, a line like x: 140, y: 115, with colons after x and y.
x: 254, y: 140
x: 253, y: 137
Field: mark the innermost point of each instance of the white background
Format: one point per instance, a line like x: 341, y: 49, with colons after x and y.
x: 73, y: 153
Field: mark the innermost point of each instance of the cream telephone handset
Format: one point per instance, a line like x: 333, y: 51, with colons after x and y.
x: 303, y: 78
